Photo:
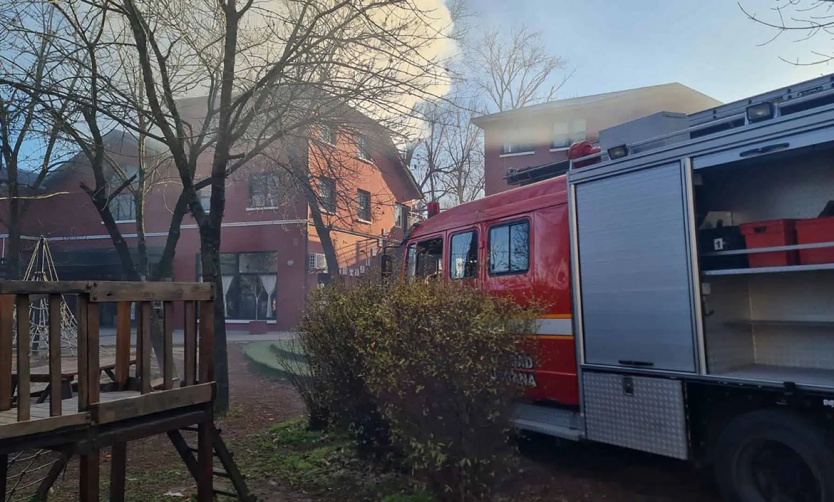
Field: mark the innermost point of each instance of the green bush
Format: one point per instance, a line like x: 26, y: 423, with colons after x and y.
x: 424, y: 366
x: 331, y: 344
x: 437, y: 361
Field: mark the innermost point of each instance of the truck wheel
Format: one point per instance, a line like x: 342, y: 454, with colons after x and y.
x: 774, y: 456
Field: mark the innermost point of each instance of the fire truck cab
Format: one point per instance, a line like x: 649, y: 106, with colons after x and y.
x: 689, y: 270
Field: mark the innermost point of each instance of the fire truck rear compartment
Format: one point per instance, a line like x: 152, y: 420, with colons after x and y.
x: 769, y: 324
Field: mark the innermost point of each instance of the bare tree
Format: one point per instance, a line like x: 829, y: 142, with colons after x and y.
x: 498, y: 71
x: 512, y: 70
x: 267, y: 71
x: 31, y: 142
x: 448, y: 159
x: 806, y: 19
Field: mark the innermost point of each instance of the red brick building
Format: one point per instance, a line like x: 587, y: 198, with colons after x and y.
x: 270, y: 251
x: 539, y: 135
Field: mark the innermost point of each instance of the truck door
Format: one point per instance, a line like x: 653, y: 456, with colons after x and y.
x: 634, y: 270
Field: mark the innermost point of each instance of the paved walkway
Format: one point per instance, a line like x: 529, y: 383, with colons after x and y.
x: 108, y: 336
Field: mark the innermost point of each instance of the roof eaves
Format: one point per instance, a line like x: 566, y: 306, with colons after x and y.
x: 570, y: 103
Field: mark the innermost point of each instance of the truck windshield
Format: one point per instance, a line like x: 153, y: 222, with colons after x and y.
x: 425, y: 259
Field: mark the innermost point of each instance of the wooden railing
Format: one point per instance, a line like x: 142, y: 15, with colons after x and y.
x: 196, y: 382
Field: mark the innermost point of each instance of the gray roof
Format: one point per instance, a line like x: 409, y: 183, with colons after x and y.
x: 594, y: 100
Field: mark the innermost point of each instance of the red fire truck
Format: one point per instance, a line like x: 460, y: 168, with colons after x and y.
x: 689, y: 266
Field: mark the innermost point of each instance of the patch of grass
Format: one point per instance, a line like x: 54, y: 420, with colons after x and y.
x: 321, y: 463
x: 411, y: 497
x: 275, y: 359
x: 294, y: 432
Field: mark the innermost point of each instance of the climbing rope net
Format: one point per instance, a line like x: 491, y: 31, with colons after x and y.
x: 42, y: 268
x: 31, y: 473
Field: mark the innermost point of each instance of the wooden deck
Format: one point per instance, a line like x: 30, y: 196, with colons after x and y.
x: 107, y: 413
x: 68, y: 407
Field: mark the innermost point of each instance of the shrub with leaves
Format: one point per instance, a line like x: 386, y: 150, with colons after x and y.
x: 332, y: 347
x: 425, y: 366
x: 437, y: 361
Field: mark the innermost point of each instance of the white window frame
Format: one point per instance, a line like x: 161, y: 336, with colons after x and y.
x: 205, y: 198
x: 509, y: 149
x: 400, y: 219
x: 362, y: 151
x: 564, y: 134
x: 327, y: 134
x: 359, y: 215
x: 327, y: 204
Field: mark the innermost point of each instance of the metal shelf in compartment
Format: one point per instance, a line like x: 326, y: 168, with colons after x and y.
x: 770, y: 270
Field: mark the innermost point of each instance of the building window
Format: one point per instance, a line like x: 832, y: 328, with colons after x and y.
x: 363, y: 201
x: 567, y: 133
x: 123, y: 205
x: 327, y: 134
x: 205, y: 198
x: 264, y: 190
x: 402, y: 216
x: 327, y: 194
x: 463, y: 255
x: 509, y: 248
x: 249, y: 284
x: 362, y: 149
x: 510, y: 148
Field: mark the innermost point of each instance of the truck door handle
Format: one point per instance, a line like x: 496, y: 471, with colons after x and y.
x: 764, y: 149
x: 625, y: 362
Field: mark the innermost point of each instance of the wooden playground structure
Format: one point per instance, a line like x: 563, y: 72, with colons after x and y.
x: 79, y: 412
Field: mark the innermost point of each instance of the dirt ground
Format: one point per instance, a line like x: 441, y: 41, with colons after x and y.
x: 551, y: 471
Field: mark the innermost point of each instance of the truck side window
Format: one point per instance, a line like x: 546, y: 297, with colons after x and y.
x: 509, y: 247
x: 463, y: 256
x: 425, y: 259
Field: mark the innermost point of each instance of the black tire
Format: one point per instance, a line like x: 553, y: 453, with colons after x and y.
x: 774, y: 456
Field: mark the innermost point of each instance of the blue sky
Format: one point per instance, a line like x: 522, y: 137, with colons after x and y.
x: 708, y: 45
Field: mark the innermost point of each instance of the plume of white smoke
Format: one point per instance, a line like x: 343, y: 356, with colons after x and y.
x: 398, y: 48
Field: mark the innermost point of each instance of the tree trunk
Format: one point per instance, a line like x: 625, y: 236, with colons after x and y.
x: 323, y: 231
x: 14, y: 222
x: 13, y: 257
x: 210, y: 259
x: 99, y: 200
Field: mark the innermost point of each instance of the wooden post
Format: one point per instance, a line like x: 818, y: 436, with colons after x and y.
x: 89, y: 462
x: 139, y: 323
x: 23, y: 386
x: 190, y: 342
x: 89, y: 477
x: 83, y: 353
x: 122, y: 343
x: 168, y: 345
x: 206, y: 341
x: 145, y: 356
x: 93, y: 362
x: 6, y: 350
x: 55, y: 377
x: 118, y: 470
x: 205, y: 459
x: 4, y: 473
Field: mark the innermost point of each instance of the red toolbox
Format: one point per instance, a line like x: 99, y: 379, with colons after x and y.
x: 812, y: 231
x: 767, y: 234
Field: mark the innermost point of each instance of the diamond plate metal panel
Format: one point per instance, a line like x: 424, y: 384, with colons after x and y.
x: 650, y: 418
